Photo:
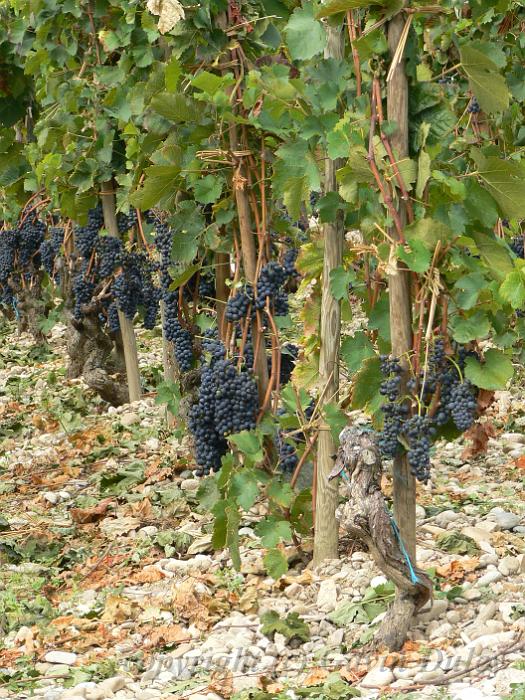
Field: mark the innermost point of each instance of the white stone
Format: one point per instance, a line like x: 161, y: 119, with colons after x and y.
x: 112, y: 685
x: 477, y: 534
x: 420, y: 512
x: 51, y: 497
x: 441, y: 631
x: 426, y: 676
x: 377, y: 677
x: 439, y: 608
x: 471, y: 594
x: 147, y: 531
x: 66, y: 658
x: 513, y: 437
x: 488, y: 578
x: 509, y: 565
x: 491, y: 641
x: 327, y: 596
x: 378, y: 581
x: 505, y: 519
x: 129, y: 419
x: 487, y: 559
x: 190, y: 484
x: 488, y: 525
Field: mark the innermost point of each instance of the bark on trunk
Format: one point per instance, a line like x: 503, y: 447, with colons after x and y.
x: 365, y: 517
x: 325, y: 538
x: 399, y: 288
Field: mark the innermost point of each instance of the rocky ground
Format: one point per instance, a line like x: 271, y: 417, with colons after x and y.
x: 109, y: 587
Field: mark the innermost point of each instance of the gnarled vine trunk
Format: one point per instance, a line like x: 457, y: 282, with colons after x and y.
x: 365, y: 517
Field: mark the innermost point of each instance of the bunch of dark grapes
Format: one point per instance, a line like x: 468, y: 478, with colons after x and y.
x: 112, y: 318
x: 395, y: 411
x: 516, y: 246
x: 30, y: 238
x: 180, y: 337
x: 289, y: 356
x: 289, y: 262
x: 83, y: 289
x: 86, y: 236
x: 207, y: 286
x: 288, y: 457
x: 227, y: 403
x: 126, y: 221
x: 473, y: 106
x: 47, y: 256
x: 419, y: 432
x: 239, y: 304
x: 110, y: 252
x: 56, y: 238
x: 462, y: 405
x: 8, y: 247
x: 269, y: 283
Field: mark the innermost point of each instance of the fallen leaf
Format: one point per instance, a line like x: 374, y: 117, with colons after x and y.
x: 479, y: 435
x: 150, y: 574
x: 221, y: 683
x: 112, y: 527
x: 348, y: 675
x: 316, y: 676
x: 117, y: 610
x: 457, y: 569
x: 171, y: 12
x: 164, y: 635
x: 82, y: 516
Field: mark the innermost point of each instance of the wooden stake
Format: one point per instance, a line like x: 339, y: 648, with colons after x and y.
x: 326, y: 493
x: 129, y: 342
x: 399, y: 281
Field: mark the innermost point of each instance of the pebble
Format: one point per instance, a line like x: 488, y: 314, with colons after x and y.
x: 477, y: 534
x: 190, y: 484
x: 490, y: 577
x: 327, y: 596
x: 378, y: 677
x: 509, y: 565
x: 129, y: 419
x: 439, y: 608
x: 51, y: 497
x: 66, y: 658
x: 505, y: 519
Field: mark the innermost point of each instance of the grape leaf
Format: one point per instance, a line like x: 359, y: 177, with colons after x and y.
x: 505, y: 180
x: 275, y: 563
x: 305, y: 36
x: 355, y: 350
x: 467, y: 329
x: 485, y: 81
x: 513, y: 289
x: 208, y: 189
x: 244, y: 488
x: 272, y: 531
x: 493, y: 374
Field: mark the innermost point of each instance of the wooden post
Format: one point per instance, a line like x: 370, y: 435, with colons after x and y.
x: 399, y: 289
x: 129, y: 342
x: 222, y: 273
x: 326, y: 526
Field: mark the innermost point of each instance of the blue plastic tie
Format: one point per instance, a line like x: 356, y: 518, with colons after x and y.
x: 15, y: 307
x: 413, y: 576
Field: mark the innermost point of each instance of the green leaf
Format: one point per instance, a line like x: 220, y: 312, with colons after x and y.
x: 494, y: 253
x: 161, y: 185
x: 485, y: 81
x: 457, y: 543
x: 300, y: 26
x: 208, y: 492
x: 233, y: 520
x: 340, y: 280
x: 429, y: 232
x: 249, y: 443
x: 281, y: 492
x: 348, y: 612
x: 208, y: 189
x: 366, y: 386
x: 423, y: 172
x: 328, y: 205
x: 335, y: 418
x: 355, y: 350
x: 469, y: 288
x: 417, y: 257
x: 207, y: 82
x: 493, y: 374
x: 176, y: 107
x: 275, y: 563
x: 272, y: 531
x: 184, y: 276
x: 513, y: 289
x: 172, y: 74
x: 466, y: 329
x: 505, y: 180
x: 244, y: 488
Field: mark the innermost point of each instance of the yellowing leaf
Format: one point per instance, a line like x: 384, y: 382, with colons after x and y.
x: 171, y: 12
